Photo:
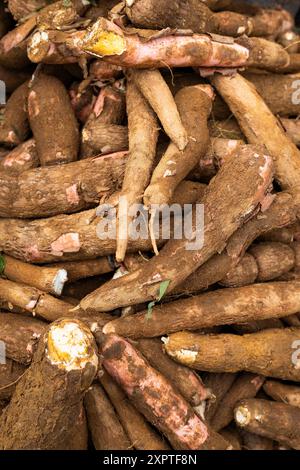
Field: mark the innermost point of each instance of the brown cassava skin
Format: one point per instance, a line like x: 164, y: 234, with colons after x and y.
x: 10, y: 373
x: 140, y: 433
x: 277, y: 421
x: 102, y: 138
x: 268, y: 352
x: 219, y: 151
x: 284, y: 235
x: 33, y: 300
x: 143, y: 135
x: 21, y: 158
x: 244, y: 273
x: 264, y: 54
x: 50, y: 114
x: 158, y: 401
x: 218, y: 384
x: 153, y: 87
x: 268, y: 22
x: 194, y: 106
x: 292, y: 128
x: 289, y: 394
x: 48, y: 279
x: 152, y: 50
x: 280, y: 88
x: 48, y: 400
x: 58, y: 14
x: 83, y: 269
x: 250, y: 111
x: 14, y: 128
x: 109, y: 107
x: 56, y: 47
x: 106, y: 430
x: 258, y: 325
x: 231, y: 435
x: 49, y: 191
x: 254, y: 442
x: 143, y: 284
x: 227, y: 129
x: 191, y: 14
x: 245, y: 386
x: 263, y: 262
x: 273, y: 259
x: 186, y: 381
x: 68, y: 237
x: 20, y: 335
x: 22, y: 8
x: 220, y: 307
x: 294, y: 65
x: 13, y: 46
x: 289, y: 40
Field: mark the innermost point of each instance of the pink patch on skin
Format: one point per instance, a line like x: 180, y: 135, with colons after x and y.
x: 67, y: 243
x: 171, y: 408
x: 32, y: 253
x: 257, y: 381
x: 72, y: 194
x: 266, y: 202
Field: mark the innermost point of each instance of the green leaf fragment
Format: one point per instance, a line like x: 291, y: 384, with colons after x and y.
x: 2, y: 264
x: 162, y: 291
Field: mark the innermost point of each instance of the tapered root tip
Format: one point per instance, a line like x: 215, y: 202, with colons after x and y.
x: 59, y: 281
x: 71, y: 345
x: 242, y: 416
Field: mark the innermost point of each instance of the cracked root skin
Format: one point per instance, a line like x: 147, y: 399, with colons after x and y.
x: 156, y: 398
x: 268, y: 352
x: 282, y: 392
x: 226, y: 205
x: 48, y: 398
x: 277, y: 421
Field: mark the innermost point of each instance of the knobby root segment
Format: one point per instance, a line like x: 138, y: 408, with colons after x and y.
x: 194, y: 106
x: 160, y: 49
x: 245, y: 386
x: 33, y: 300
x: 63, y: 368
x: 152, y: 85
x: 220, y: 307
x: 250, y: 110
x: 156, y: 398
x: 143, y: 135
x: 140, y: 433
x: 277, y: 421
x: 279, y: 391
x: 70, y: 187
x: 268, y: 352
x: 264, y: 261
x: 255, y: 176
x: 197, y: 16
x: 13, y: 46
x: 185, y: 380
x: 50, y: 112
x: 106, y: 430
x: 48, y: 279
x: 20, y: 335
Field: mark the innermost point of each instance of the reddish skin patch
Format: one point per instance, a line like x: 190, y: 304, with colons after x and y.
x: 32, y: 253
x: 72, y: 194
x: 67, y: 243
x: 135, y: 375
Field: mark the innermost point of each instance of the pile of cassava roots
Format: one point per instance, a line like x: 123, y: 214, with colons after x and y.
x: 118, y: 338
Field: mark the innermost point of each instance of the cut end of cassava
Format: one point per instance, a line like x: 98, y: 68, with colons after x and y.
x: 70, y: 345
x: 59, y: 281
x: 38, y: 46
x: 242, y: 416
x: 109, y: 328
x: 102, y: 41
